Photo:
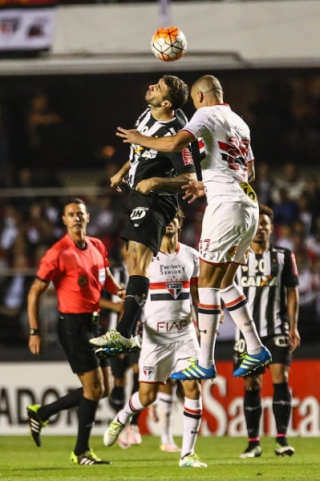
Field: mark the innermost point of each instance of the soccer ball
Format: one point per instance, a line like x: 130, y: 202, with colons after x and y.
x: 168, y: 44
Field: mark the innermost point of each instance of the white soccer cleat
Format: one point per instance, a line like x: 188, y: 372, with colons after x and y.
x: 170, y: 448
x: 192, y: 461
x: 284, y: 450
x: 112, y: 433
x: 123, y: 439
x: 134, y: 436
x: 251, y: 452
x: 114, y: 341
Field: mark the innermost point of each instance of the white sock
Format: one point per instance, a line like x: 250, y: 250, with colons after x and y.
x: 132, y: 407
x: 236, y: 303
x: 165, y: 404
x: 208, y: 322
x: 191, y: 424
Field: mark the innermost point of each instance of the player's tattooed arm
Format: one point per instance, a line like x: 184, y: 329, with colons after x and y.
x: 172, y: 143
x: 193, y: 190
x: 164, y: 184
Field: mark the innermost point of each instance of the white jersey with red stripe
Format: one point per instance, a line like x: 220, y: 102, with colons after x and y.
x: 168, y: 307
x: 227, y: 144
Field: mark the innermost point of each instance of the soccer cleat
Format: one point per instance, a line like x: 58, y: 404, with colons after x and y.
x: 35, y: 423
x: 194, y: 371
x: 115, y: 344
x: 284, y: 450
x: 252, y: 452
x: 134, y: 436
x: 87, y: 459
x: 111, y: 434
x: 170, y: 448
x: 192, y: 461
x: 123, y: 439
x: 153, y: 413
x: 249, y: 363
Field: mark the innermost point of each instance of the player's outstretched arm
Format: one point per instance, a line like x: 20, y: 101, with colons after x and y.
x: 172, y: 143
x: 193, y: 190
x: 169, y: 184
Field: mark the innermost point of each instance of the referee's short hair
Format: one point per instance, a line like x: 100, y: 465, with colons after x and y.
x: 265, y: 210
x: 74, y: 200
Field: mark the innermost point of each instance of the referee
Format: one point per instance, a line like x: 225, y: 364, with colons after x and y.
x: 270, y: 282
x: 78, y: 267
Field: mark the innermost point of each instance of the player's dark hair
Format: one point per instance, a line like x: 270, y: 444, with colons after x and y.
x: 265, y: 210
x: 180, y: 216
x: 178, y: 91
x: 74, y: 200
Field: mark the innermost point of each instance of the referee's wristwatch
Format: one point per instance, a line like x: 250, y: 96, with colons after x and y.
x: 34, y: 332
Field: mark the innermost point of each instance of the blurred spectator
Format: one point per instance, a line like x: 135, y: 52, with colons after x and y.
x: 292, y: 182
x: 285, y: 210
x: 13, y: 300
x: 264, y: 184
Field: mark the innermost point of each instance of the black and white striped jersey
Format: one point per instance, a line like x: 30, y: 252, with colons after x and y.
x: 146, y: 163
x: 264, y: 281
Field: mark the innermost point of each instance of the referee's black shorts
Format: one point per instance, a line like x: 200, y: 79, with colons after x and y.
x: 148, y: 217
x: 74, y: 331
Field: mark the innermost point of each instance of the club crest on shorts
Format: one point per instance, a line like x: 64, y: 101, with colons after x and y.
x: 148, y: 370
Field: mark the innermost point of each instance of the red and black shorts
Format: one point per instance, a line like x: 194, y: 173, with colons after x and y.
x: 74, y: 331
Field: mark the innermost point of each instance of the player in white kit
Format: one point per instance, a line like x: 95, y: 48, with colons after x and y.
x: 169, y: 339
x: 229, y: 224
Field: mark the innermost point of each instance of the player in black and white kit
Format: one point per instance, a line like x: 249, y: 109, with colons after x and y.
x: 155, y: 178
x: 270, y: 282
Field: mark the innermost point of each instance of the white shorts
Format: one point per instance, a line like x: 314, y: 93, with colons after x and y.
x: 228, y: 228
x: 158, y: 362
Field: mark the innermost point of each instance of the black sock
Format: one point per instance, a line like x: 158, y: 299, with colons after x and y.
x: 86, y: 416
x: 70, y: 400
x: 116, y: 398
x: 137, y: 292
x: 281, y: 407
x: 252, y: 412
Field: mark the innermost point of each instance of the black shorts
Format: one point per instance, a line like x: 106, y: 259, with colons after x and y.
x: 277, y: 345
x: 74, y: 331
x: 148, y: 217
x: 119, y: 365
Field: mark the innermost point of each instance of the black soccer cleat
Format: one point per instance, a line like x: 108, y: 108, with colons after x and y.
x: 35, y: 423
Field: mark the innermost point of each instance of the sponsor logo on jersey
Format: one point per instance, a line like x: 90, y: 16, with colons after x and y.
x: 175, y: 326
x: 259, y: 281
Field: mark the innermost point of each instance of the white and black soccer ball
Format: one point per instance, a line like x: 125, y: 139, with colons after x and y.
x: 168, y: 44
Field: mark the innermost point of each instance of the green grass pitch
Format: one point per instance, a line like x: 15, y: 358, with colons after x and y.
x: 20, y: 459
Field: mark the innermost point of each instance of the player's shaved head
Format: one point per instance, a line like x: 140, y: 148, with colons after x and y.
x: 208, y: 84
